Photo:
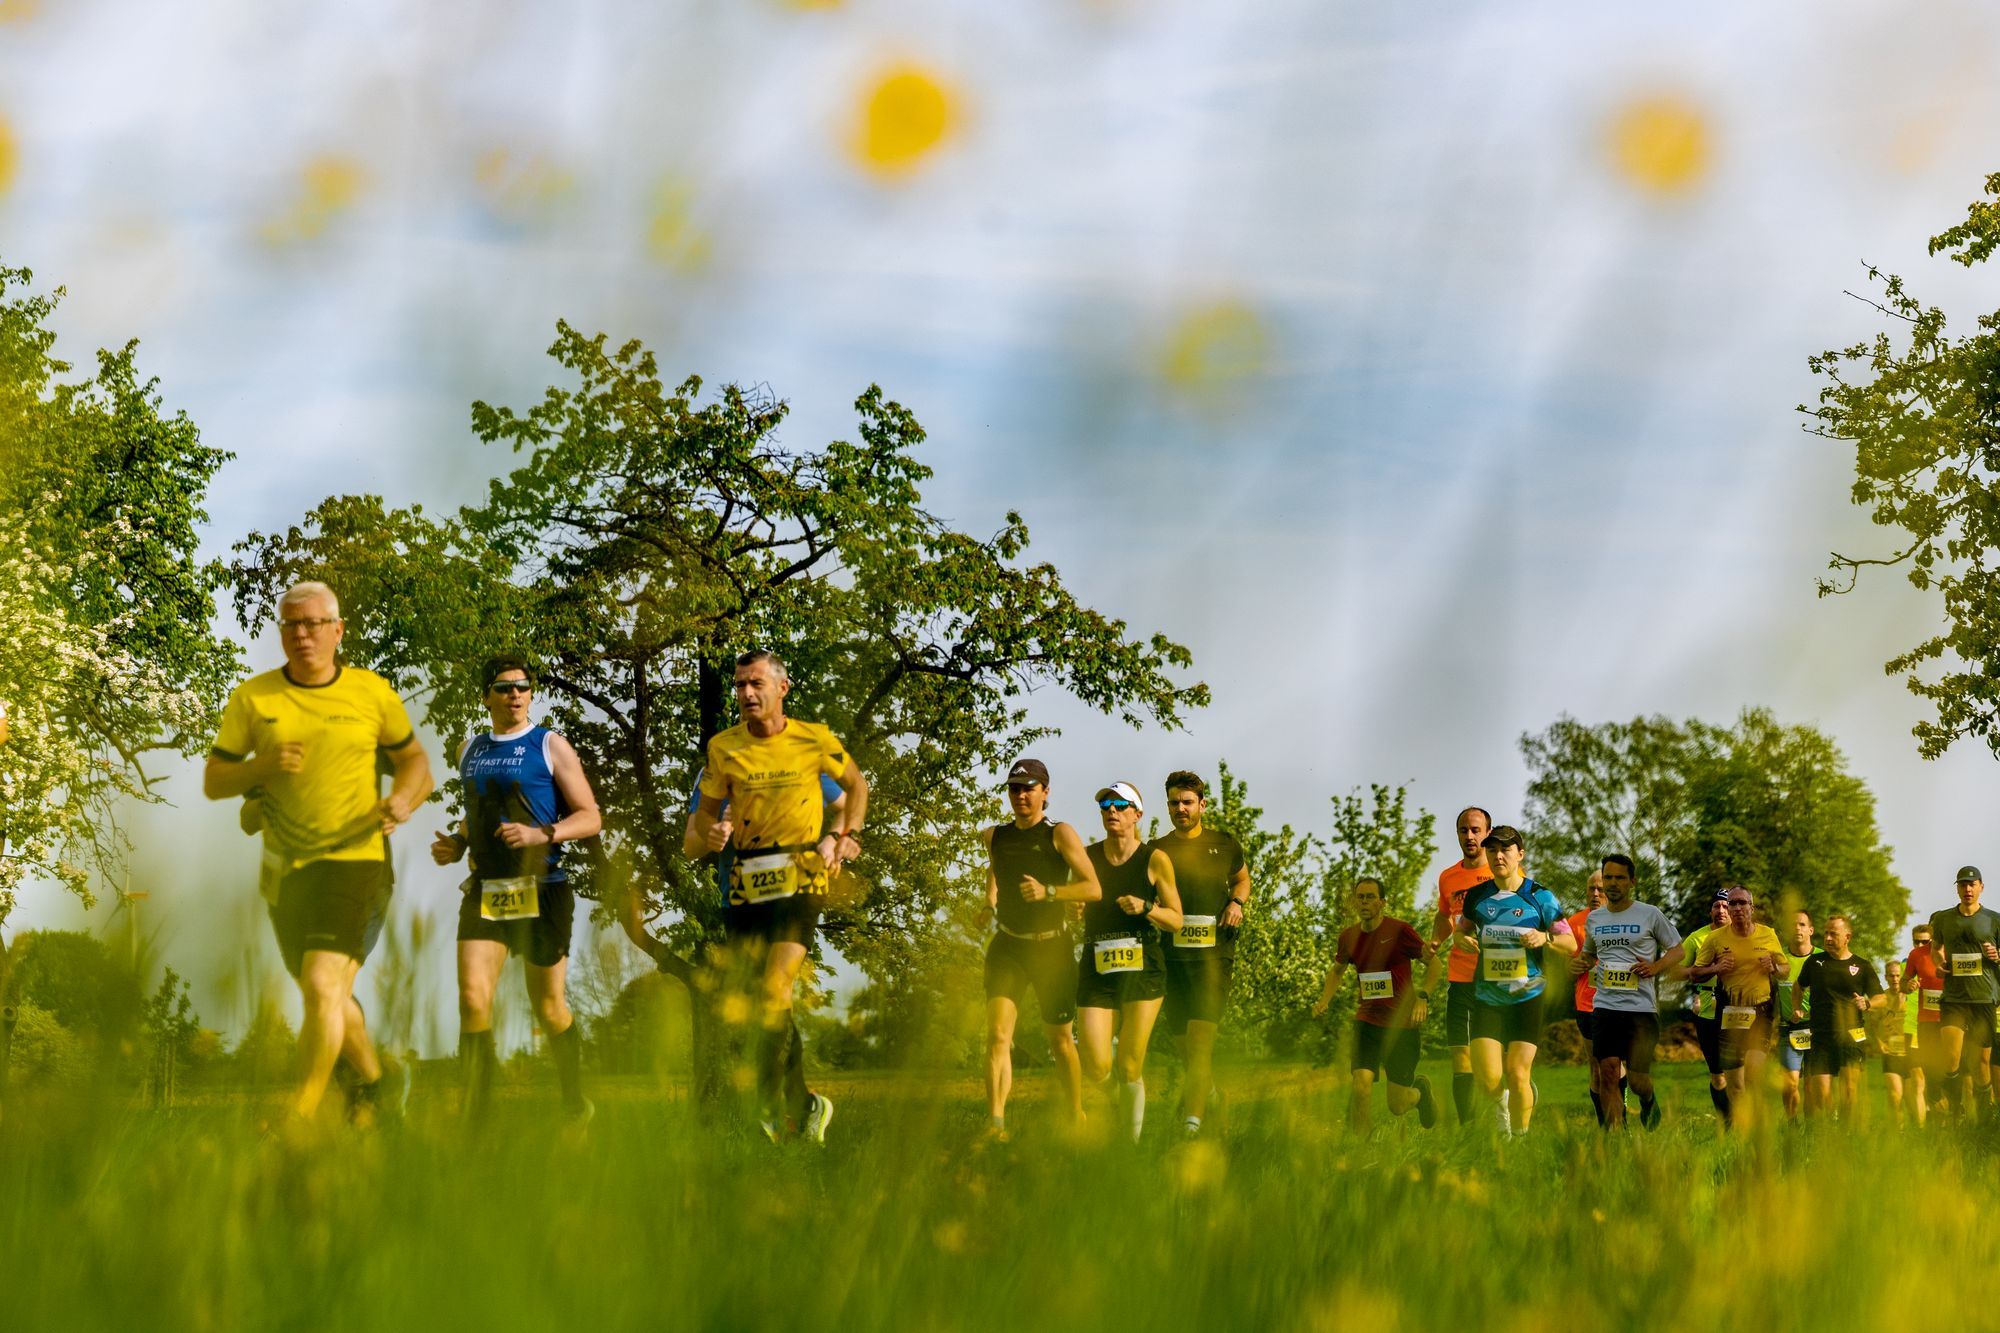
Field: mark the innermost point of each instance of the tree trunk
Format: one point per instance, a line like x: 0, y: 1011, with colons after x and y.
x: 7, y: 1017
x: 712, y: 691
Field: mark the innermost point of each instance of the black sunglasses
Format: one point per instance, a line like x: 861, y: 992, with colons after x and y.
x: 511, y: 687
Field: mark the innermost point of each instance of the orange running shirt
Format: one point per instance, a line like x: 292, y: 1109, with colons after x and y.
x: 1586, y: 994
x: 1453, y: 882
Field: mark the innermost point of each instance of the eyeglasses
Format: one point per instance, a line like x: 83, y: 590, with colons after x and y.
x: 312, y: 626
x: 511, y: 687
x: 1114, y: 804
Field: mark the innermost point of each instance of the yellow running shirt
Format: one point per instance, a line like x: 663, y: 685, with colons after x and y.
x: 772, y: 782
x: 326, y: 812
x: 1749, y: 979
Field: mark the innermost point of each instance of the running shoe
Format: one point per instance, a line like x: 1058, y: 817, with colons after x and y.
x: 1649, y: 1113
x: 818, y: 1116
x: 1427, y: 1107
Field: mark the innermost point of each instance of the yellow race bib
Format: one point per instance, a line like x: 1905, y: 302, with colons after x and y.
x: 1503, y: 964
x: 514, y: 899
x: 763, y: 877
x: 1738, y: 1017
x: 1617, y: 978
x: 1196, y: 932
x: 1857, y: 1035
x: 1967, y: 964
x: 1800, y: 1038
x: 1929, y: 1001
x: 1894, y: 1043
x: 1124, y: 955
x: 1378, y: 985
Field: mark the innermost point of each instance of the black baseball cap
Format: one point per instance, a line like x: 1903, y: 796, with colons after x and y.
x: 1028, y: 770
x: 1506, y: 835
x: 1970, y: 875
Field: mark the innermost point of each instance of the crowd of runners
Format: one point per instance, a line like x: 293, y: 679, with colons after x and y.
x: 1111, y: 936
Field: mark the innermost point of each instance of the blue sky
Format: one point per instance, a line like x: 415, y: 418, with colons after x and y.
x: 1304, y: 332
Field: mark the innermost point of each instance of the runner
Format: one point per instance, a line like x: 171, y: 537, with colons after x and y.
x: 1389, y: 1018
x: 1898, y: 1039
x: 1794, y: 1038
x: 1626, y: 945
x: 760, y: 799
x: 525, y: 796
x: 1214, y: 883
x: 1508, y: 922
x: 1034, y: 865
x: 1122, y: 973
x: 307, y: 734
x: 1745, y: 958
x: 1963, y: 945
x: 1923, y: 983
x: 1841, y: 989
x: 1699, y: 998
x: 1584, y: 995
x: 1462, y: 969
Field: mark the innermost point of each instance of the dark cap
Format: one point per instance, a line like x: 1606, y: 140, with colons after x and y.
x: 1505, y: 835
x: 1970, y: 875
x: 1028, y: 770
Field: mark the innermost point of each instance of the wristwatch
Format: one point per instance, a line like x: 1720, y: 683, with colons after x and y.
x: 549, y: 832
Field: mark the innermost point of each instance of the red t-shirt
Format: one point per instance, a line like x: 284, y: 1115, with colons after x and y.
x: 1930, y: 983
x: 1453, y: 884
x: 1384, y: 952
x: 1586, y: 994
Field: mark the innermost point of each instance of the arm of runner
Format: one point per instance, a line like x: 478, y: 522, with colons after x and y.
x: 1584, y: 958
x: 854, y: 814
x: 1326, y: 991
x: 584, y: 819
x: 1666, y: 963
x: 1465, y: 937
x: 1433, y: 968
x: 1083, y: 886
x: 410, y: 785
x: 1166, y: 913
x: 707, y: 831
x: 992, y: 903
x: 1239, y: 894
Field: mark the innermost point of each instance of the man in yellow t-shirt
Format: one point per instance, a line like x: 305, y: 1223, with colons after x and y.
x: 765, y: 772
x: 306, y: 736
x: 1746, y: 959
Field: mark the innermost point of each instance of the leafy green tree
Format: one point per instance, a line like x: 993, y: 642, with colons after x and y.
x: 74, y: 977
x: 106, y: 650
x: 171, y: 1026
x: 1699, y: 806
x: 647, y: 537
x: 1921, y: 409
x: 1301, y: 902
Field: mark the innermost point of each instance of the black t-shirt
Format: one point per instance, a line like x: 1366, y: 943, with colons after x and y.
x: 1968, y: 977
x: 1019, y: 852
x: 1104, y: 919
x: 1835, y: 986
x: 1203, y: 868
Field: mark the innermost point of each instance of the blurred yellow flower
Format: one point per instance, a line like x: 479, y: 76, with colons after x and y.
x: 672, y: 238
x: 9, y: 157
x: 905, y: 115
x: 328, y: 186
x: 1215, y: 346
x: 1660, y: 144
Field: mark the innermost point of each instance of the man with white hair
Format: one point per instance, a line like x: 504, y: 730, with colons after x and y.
x: 306, y: 735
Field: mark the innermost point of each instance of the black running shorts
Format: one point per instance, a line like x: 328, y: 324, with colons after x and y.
x: 330, y: 907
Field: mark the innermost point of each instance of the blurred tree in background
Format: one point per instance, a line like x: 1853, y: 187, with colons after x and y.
x: 1698, y: 806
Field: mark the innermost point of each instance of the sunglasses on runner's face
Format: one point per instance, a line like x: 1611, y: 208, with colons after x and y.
x: 1114, y: 805
x: 511, y: 687
x: 1022, y: 786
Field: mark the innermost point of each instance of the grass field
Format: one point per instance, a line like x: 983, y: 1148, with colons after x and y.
x: 132, y: 1219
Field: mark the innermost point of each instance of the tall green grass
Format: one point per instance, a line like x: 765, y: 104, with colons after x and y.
x: 114, y: 1217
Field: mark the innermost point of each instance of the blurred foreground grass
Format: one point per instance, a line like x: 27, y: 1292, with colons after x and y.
x: 115, y: 1217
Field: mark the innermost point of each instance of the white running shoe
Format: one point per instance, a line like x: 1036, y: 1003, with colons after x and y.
x: 818, y: 1116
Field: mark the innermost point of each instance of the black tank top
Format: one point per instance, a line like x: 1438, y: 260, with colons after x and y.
x: 1104, y: 919
x: 1021, y: 851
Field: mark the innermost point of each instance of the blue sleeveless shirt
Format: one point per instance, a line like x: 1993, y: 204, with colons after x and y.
x: 509, y: 781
